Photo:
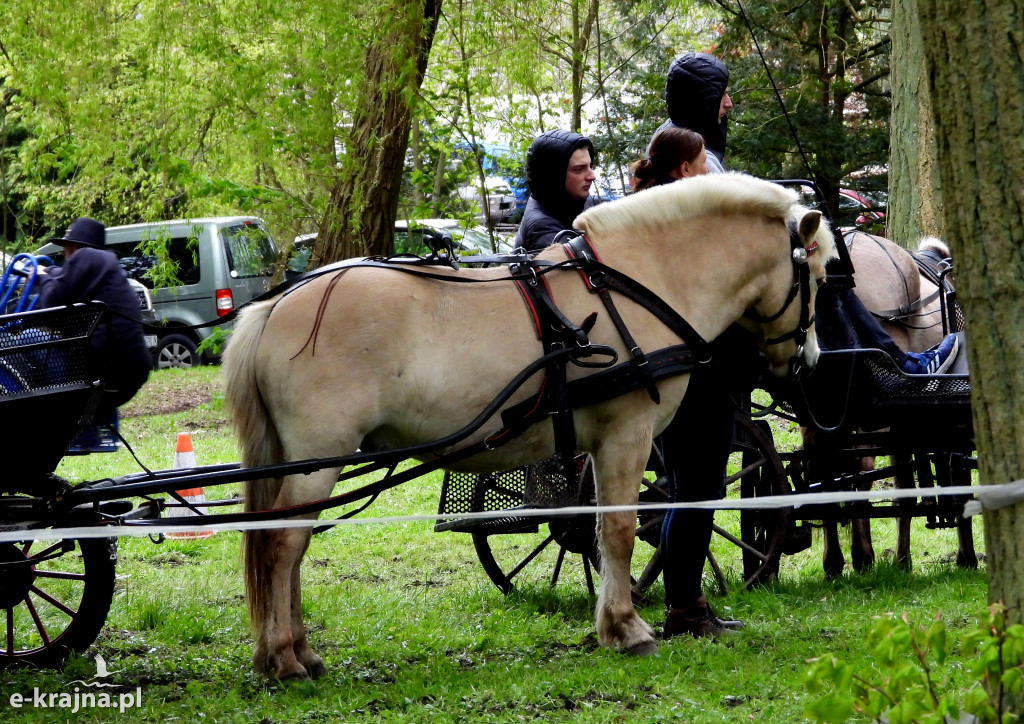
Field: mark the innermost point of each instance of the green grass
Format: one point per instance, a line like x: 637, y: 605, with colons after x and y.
x: 412, y: 630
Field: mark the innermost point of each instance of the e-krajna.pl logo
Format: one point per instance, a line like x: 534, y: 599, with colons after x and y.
x: 78, y: 700
x: 93, y: 696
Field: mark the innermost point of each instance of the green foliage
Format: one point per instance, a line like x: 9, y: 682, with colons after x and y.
x: 902, y: 687
x: 829, y: 62
x: 164, y: 273
x: 214, y: 343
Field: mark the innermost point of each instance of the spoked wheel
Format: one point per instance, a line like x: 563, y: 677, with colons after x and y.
x: 55, y: 598
x: 756, y: 469
x: 562, y: 546
x: 532, y: 549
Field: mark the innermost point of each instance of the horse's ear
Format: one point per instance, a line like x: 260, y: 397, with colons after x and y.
x: 809, y: 224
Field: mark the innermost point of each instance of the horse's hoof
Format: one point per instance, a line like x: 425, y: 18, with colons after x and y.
x: 967, y: 562
x: 293, y: 674
x: 317, y: 669
x: 643, y: 648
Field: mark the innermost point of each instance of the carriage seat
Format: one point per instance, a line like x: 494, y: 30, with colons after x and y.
x: 865, y: 389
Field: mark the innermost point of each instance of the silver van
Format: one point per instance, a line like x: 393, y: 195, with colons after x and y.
x: 220, y: 263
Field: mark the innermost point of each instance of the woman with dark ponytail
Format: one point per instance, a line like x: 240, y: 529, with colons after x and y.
x: 674, y: 153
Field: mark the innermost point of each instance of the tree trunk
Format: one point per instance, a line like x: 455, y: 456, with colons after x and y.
x: 360, y: 215
x: 582, y: 29
x: 914, y: 191
x: 976, y: 77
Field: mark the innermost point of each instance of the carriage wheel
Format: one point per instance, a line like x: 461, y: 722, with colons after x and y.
x: 757, y: 470
x: 567, y: 543
x: 55, y: 598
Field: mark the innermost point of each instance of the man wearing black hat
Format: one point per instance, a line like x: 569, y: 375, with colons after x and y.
x: 91, y: 273
x: 559, y: 172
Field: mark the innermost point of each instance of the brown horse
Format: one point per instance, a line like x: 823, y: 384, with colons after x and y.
x: 890, y: 284
x: 372, y: 359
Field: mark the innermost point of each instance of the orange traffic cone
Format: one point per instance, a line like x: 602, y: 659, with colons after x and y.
x: 184, y: 457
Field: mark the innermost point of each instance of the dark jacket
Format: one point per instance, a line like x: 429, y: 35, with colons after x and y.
x: 550, y: 209
x: 694, y: 88
x: 95, y: 275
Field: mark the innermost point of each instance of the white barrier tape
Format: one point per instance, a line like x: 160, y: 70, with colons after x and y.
x: 987, y: 496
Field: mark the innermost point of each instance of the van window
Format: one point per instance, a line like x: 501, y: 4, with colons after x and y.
x: 251, y: 251
x: 181, y: 252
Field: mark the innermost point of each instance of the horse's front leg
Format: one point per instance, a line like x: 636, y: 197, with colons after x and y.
x: 618, y: 469
x: 862, y: 550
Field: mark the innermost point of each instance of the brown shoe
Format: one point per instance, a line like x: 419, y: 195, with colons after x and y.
x: 699, y: 621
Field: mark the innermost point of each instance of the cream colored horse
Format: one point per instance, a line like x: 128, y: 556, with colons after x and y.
x: 888, y: 279
x: 375, y: 359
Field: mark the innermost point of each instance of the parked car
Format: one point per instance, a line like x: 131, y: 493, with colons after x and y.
x: 149, y: 315
x: 857, y: 210
x: 501, y: 201
x: 469, y: 241
x: 220, y: 263
x: 411, y: 237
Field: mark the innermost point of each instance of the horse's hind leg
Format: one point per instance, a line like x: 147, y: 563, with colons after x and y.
x: 303, y: 653
x: 276, y: 640
x: 832, y: 559
x: 281, y: 646
x: 618, y: 471
x: 966, y: 557
x: 904, y: 481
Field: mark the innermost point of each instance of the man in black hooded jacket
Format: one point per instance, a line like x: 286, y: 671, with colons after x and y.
x: 559, y: 172
x: 696, y: 444
x: 697, y: 98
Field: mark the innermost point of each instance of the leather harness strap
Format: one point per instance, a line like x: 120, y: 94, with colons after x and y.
x: 580, y: 248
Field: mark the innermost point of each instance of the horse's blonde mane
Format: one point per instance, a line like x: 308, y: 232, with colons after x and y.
x: 720, y: 193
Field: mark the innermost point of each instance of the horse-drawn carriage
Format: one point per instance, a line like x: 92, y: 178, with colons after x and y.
x: 400, y: 404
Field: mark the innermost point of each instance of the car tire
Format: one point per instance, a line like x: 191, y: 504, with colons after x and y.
x: 175, y: 350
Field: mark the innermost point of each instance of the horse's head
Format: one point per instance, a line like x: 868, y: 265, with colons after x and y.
x: 725, y: 245
x: 788, y: 338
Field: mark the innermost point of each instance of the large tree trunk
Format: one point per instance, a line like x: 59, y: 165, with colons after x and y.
x: 973, y: 55
x: 914, y: 192
x: 360, y: 215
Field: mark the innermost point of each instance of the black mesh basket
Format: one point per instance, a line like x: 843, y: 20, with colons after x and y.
x: 538, y: 485
x: 48, y: 389
x: 864, y: 389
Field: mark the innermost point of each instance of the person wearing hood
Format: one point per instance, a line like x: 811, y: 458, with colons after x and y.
x: 696, y: 444
x: 559, y: 172
x: 697, y: 98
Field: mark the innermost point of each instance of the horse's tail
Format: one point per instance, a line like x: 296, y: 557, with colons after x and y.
x: 930, y: 243
x: 260, y: 446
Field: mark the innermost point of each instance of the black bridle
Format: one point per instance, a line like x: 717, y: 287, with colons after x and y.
x: 800, y: 256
